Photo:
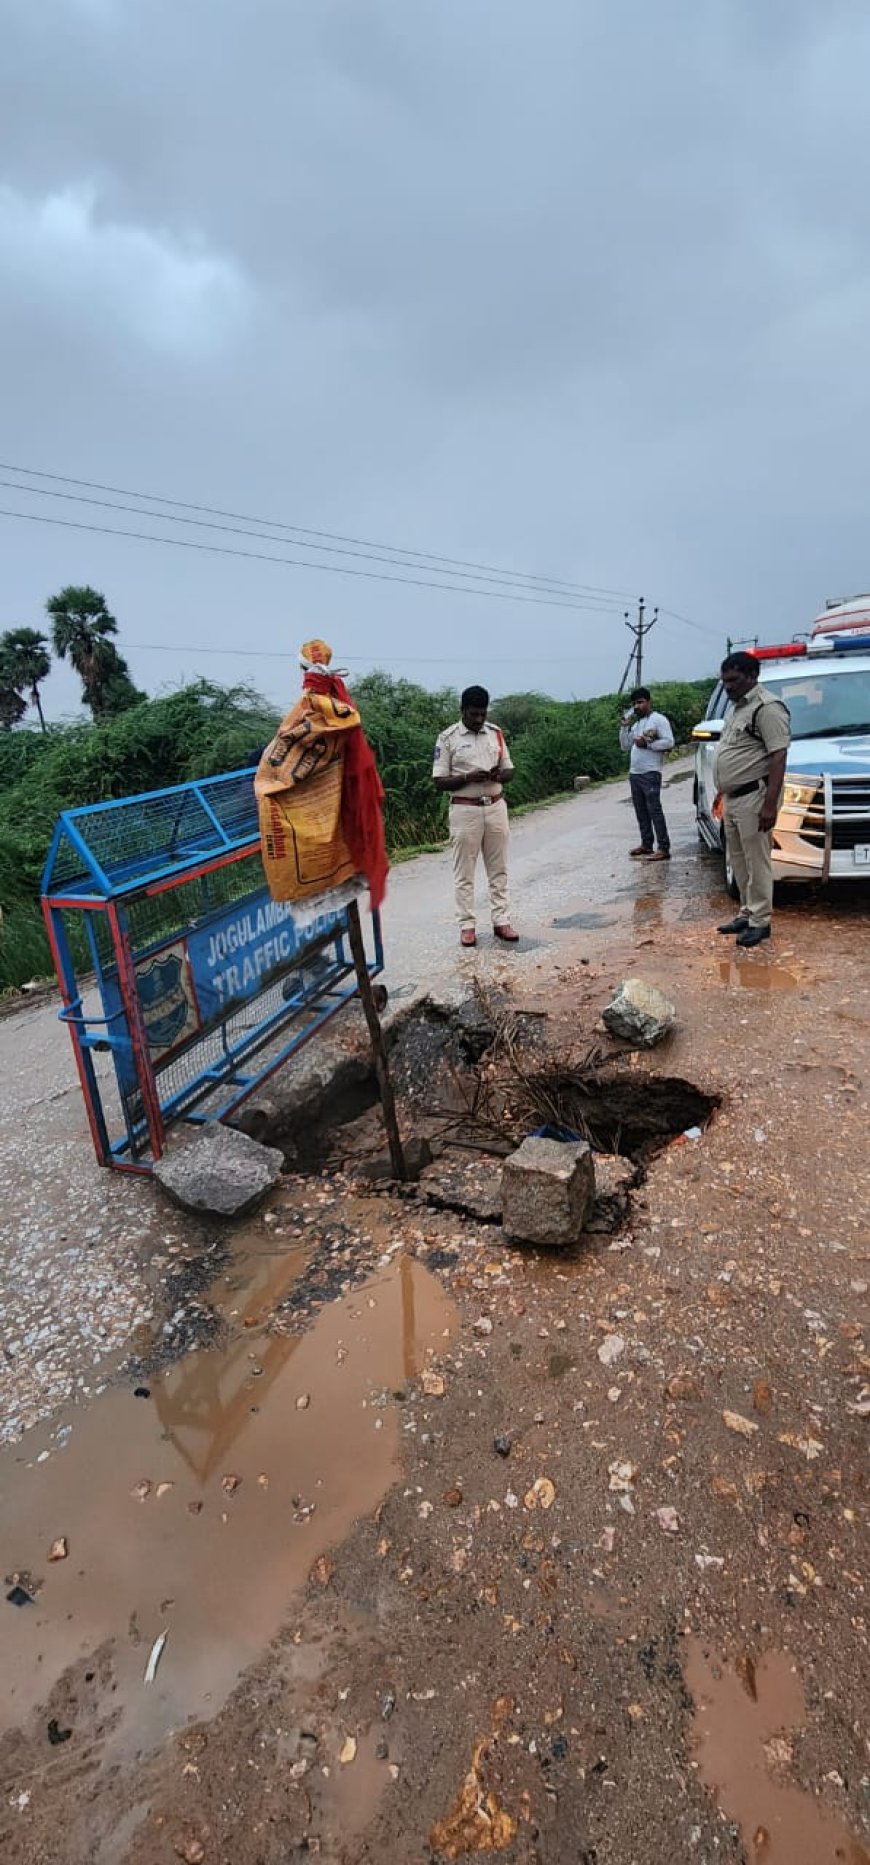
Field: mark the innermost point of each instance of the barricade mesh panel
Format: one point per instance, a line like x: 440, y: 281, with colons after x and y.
x: 155, y: 917
x: 138, y: 837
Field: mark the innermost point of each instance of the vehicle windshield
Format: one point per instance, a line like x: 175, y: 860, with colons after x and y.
x: 833, y: 702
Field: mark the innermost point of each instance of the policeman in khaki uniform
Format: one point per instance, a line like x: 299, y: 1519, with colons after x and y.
x: 473, y: 764
x: 750, y: 771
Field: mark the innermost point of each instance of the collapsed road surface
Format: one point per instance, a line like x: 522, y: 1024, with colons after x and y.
x: 428, y: 1544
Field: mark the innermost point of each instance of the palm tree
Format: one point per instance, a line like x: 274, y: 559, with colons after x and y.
x: 12, y: 706
x: 24, y: 662
x: 81, y: 627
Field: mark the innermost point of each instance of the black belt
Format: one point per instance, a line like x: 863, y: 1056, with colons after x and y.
x: 744, y: 790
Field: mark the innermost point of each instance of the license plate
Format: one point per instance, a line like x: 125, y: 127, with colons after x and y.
x: 861, y: 854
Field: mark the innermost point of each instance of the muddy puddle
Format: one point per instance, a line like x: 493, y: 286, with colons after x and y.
x: 199, y: 1510
x: 745, y: 1730
x: 756, y: 977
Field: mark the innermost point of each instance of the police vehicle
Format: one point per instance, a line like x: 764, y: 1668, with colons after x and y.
x: 822, y: 831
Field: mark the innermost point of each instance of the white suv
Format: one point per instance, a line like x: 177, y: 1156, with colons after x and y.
x: 822, y: 831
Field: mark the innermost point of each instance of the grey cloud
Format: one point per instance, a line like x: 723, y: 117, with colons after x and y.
x: 581, y: 287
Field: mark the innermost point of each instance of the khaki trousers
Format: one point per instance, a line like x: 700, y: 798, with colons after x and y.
x: 749, y: 851
x: 477, y: 829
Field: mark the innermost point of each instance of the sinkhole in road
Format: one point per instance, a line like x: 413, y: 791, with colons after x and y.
x: 464, y: 1076
x: 618, y: 1111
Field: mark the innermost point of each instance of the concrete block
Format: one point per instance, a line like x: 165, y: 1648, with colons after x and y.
x: 640, y: 1013
x: 547, y: 1191
x: 220, y: 1174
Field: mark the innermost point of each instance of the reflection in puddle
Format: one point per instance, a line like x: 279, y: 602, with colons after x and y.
x: 757, y: 977
x: 744, y: 1726
x: 212, y: 1562
x: 649, y: 908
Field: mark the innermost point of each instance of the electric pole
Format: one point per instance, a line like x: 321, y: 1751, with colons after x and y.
x: 639, y: 629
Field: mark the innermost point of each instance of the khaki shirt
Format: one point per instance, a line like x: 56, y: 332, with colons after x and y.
x: 755, y: 727
x: 458, y: 750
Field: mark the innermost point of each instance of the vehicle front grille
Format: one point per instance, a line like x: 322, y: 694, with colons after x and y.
x: 850, y: 811
x: 813, y: 824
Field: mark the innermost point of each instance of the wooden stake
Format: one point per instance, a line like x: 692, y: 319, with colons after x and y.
x: 379, y: 1052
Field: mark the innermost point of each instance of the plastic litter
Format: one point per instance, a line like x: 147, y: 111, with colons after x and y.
x: 565, y: 1134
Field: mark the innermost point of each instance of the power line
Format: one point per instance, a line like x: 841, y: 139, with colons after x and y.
x: 139, y: 511
x: 404, y: 660
x: 299, y: 563
x: 337, y: 538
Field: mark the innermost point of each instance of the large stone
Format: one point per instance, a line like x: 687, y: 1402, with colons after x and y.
x: 547, y: 1191
x: 582, y: 783
x: 220, y: 1174
x: 640, y: 1013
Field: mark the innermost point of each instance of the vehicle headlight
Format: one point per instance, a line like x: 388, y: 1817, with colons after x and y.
x: 799, y: 791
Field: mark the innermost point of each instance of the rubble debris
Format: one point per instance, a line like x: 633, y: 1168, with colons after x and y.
x: 18, y: 1596
x: 156, y: 1654
x: 639, y: 1013
x: 476, y: 1822
x: 762, y: 1397
x: 192, y: 1851
x: 322, y: 1571
x: 547, y: 1191
x: 56, y: 1735
x: 472, y: 1188
x: 744, y: 1427
x: 221, y: 1173
x: 59, y: 1549
x: 542, y: 1494
x: 502, y: 1445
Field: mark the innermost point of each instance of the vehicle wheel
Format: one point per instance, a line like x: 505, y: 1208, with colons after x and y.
x: 730, y: 882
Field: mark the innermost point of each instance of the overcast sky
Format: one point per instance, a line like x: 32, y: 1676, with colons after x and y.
x: 579, y: 287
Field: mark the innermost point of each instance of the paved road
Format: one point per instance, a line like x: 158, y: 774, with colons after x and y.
x: 78, y: 1240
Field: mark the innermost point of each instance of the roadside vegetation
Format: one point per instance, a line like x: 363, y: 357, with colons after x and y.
x: 132, y: 743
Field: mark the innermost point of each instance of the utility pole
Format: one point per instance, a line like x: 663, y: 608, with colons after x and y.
x: 639, y: 629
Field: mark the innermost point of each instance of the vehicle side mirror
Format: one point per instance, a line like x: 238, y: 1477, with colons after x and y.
x: 708, y: 729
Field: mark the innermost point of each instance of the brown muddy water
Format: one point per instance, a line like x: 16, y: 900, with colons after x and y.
x: 199, y: 1510
x: 746, y: 1726
x: 756, y: 977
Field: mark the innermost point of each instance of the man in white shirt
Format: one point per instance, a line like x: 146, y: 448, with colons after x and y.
x: 648, y: 736
x: 473, y: 764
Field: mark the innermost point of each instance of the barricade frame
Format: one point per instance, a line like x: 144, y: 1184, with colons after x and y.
x: 113, y: 907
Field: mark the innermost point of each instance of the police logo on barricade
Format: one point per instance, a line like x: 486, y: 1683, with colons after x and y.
x: 166, y: 995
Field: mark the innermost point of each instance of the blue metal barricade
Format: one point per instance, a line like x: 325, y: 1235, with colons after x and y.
x: 173, y: 959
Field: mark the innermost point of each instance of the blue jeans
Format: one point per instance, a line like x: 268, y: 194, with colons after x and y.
x: 646, y: 795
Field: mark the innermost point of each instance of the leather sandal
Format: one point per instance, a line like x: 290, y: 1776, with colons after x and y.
x: 468, y: 936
